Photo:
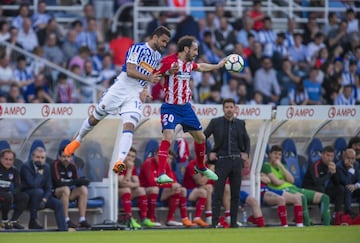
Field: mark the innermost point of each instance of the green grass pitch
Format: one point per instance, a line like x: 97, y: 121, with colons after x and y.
x: 318, y: 234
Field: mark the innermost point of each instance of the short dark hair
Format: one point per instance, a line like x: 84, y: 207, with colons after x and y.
x: 276, y: 148
x: 328, y: 149
x: 228, y: 100
x: 353, y: 140
x: 7, y: 150
x: 161, y: 30
x: 185, y: 41
x: 132, y: 149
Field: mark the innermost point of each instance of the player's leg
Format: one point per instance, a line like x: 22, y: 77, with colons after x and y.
x: 199, y: 195
x: 322, y: 199
x: 272, y: 198
x: 295, y: 199
x: 81, y: 195
x: 140, y: 194
x: 255, y: 207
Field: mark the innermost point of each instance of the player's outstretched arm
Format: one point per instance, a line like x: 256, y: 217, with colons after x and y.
x: 205, y: 67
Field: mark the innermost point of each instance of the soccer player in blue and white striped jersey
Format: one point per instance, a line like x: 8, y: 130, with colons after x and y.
x: 126, y: 95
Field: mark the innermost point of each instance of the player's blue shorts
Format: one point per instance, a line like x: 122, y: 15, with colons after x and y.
x: 268, y: 189
x: 243, y: 196
x: 172, y: 115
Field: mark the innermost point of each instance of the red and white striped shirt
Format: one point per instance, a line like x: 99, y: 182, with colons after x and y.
x: 177, y: 86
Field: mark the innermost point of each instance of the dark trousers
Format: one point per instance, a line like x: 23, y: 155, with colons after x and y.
x: 227, y: 168
x: 20, y: 199
x: 336, y: 194
x: 36, y: 196
x: 349, y: 197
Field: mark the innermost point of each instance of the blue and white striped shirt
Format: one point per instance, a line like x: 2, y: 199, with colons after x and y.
x: 145, y: 58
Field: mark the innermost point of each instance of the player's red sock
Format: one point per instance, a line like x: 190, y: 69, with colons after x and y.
x: 143, y: 206
x: 162, y: 155
x: 152, y: 206
x: 200, y: 206
x: 282, y: 214
x: 260, y: 221
x: 126, y: 203
x: 298, y: 213
x: 183, y: 210
x: 173, y: 203
x: 227, y: 213
x: 200, y: 155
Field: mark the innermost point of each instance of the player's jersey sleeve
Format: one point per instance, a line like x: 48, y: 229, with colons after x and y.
x: 165, y: 64
x: 133, y: 54
x: 195, y: 66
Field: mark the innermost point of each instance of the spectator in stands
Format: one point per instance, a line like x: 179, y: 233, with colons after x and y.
x: 4, y: 31
x: 351, y: 78
x: 107, y: 71
x: 288, y: 77
x: 331, y: 84
x: 311, y: 28
x: 210, y: 51
x: 298, y: 53
x: 199, y: 191
x: 14, y: 95
x: 232, y: 146
x: 65, y: 90
x: 349, y: 174
x: 52, y: 52
x: 203, y: 88
x: 230, y: 90
x: 69, y: 47
x: 332, y: 23
x: 272, y: 197
x: 215, y: 95
x: 52, y: 28
x: 36, y: 180
x: 13, y: 54
x: 267, y: 35
x: 38, y: 66
x: 353, y: 23
x: 243, y: 34
x: 69, y: 186
x: 10, y: 191
x: 313, y: 88
x: 88, y: 13
x: 129, y: 189
x: 39, y: 82
x: 40, y: 18
x: 339, y: 35
x: 79, y: 60
x: 104, y: 12
x: 315, y: 46
x: 87, y: 92
x: 255, y: 58
x: 282, y: 179
x: 27, y: 36
x: 322, y: 176
x: 266, y: 82
x: 23, y: 75
x: 161, y: 19
x: 7, y: 74
x: 119, y: 47
x: 345, y: 97
x: 297, y: 94
x: 258, y: 99
x: 187, y: 26
x: 242, y: 94
x: 24, y: 12
x: 225, y: 36
x: 173, y: 192
x: 257, y: 16
x: 90, y: 36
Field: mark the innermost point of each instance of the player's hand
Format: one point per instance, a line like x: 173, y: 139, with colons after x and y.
x: 155, y: 77
x: 212, y: 156
x: 332, y: 167
x: 351, y: 187
x: 222, y: 63
x: 145, y: 97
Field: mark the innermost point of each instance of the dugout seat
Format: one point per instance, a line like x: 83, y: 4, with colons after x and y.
x: 290, y: 158
x: 97, y: 165
x: 340, y: 146
x: 314, y: 150
x: 151, y: 148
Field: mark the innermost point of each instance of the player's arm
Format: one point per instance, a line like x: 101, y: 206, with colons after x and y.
x: 206, y: 67
x: 131, y: 71
x: 123, y: 181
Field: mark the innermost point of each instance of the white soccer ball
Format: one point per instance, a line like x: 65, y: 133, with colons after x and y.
x: 234, y: 63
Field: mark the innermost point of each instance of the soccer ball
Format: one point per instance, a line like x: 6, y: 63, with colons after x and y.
x: 234, y: 63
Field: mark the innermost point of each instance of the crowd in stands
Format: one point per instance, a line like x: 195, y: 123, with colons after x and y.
x: 311, y: 64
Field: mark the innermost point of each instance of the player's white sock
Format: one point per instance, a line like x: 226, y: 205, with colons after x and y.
x: 125, y: 144
x: 85, y: 129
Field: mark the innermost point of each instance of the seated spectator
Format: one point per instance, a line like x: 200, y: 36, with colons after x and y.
x: 39, y: 82
x: 27, y: 36
x: 119, y: 47
x: 354, y: 143
x: 65, y: 90
x: 79, y: 60
x: 107, y: 71
x: 272, y: 197
x: 52, y: 28
x: 69, y: 186
x: 14, y: 40
x: 282, y: 179
x: 10, y: 191
x: 52, y: 52
x: 69, y: 47
x: 313, y: 88
x: 298, y: 53
x: 323, y: 177
x: 36, y: 181
x: 257, y: 15
x: 14, y: 95
x: 129, y: 189
x: 90, y: 36
x: 346, y: 96
x: 215, y: 95
x: 87, y: 92
x: 288, y: 77
x: 174, y: 193
x: 38, y: 65
x: 339, y: 36
x: 230, y: 90
x: 7, y: 75
x: 349, y: 174
x: 4, y: 31
x: 211, y: 52
x: 242, y: 94
x: 40, y: 18
x: 353, y: 22
x: 257, y: 99
x: 24, y: 12
x: 23, y: 76
x: 41, y: 96
x: 297, y: 95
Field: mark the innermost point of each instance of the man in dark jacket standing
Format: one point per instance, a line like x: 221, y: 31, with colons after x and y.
x: 232, y: 146
x: 36, y: 180
x: 10, y: 190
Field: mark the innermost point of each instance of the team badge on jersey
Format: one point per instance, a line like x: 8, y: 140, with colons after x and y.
x: 69, y: 174
x: 11, y: 176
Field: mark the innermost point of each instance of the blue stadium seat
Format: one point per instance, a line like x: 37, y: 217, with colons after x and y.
x: 290, y: 157
x: 96, y: 202
x: 340, y: 146
x: 152, y: 146
x: 96, y: 163
x: 314, y: 150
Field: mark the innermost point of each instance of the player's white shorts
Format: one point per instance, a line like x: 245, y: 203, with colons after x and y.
x: 122, y: 98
